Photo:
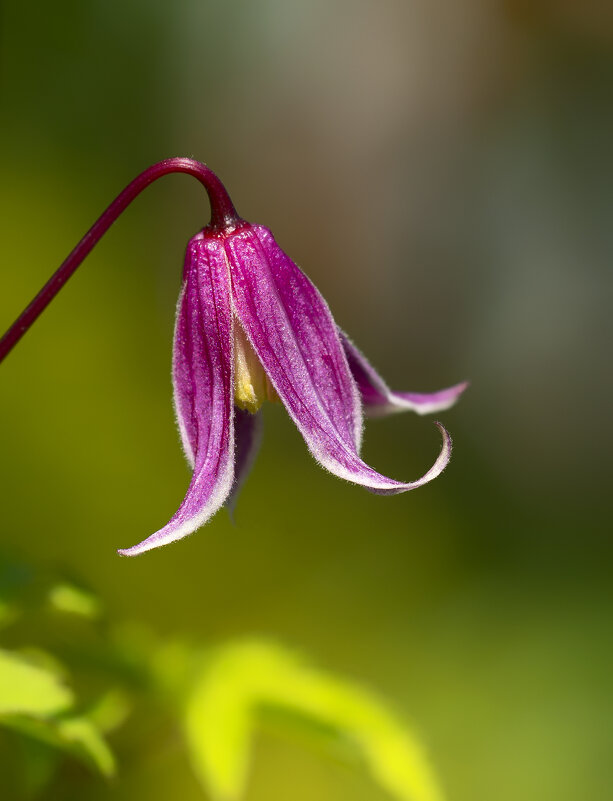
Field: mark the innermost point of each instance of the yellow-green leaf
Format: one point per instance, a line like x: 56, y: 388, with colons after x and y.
x: 84, y: 740
x: 242, y: 681
x: 30, y: 689
x: 69, y: 598
x: 77, y: 736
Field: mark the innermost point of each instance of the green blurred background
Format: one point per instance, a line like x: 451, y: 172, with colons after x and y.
x: 442, y: 171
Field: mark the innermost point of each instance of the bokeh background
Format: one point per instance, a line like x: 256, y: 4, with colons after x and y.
x: 442, y: 171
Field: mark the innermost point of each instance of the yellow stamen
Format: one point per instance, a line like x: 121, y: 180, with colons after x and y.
x: 251, y: 384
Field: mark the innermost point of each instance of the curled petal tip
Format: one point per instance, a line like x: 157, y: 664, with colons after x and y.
x: 445, y: 454
x: 388, y: 486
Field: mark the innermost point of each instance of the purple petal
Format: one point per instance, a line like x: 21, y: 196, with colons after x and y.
x: 297, y: 339
x: 203, y: 387
x: 292, y: 331
x: 379, y: 399
x: 247, y: 438
x: 182, y: 368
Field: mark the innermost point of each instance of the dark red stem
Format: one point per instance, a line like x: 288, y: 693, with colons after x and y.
x: 223, y: 217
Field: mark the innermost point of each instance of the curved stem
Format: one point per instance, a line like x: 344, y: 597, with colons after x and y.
x: 223, y: 217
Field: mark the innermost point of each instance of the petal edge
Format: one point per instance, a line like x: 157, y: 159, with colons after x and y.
x: 379, y: 400
x: 203, y: 364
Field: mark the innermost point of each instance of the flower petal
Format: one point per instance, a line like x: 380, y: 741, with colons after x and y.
x: 379, y: 399
x: 202, y: 376
x: 292, y: 331
x: 247, y: 439
x: 184, y: 388
x: 296, y: 336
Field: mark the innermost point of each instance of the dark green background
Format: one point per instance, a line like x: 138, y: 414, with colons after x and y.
x: 442, y: 171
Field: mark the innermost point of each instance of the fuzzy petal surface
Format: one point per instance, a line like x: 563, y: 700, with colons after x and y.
x: 203, y: 389
x: 380, y: 400
x: 294, y: 335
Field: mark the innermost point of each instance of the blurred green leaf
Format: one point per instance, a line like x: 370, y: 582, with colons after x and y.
x: 243, y: 680
x: 32, y: 700
x: 84, y: 740
x: 111, y: 710
x: 30, y: 689
x: 65, y: 597
x: 77, y: 736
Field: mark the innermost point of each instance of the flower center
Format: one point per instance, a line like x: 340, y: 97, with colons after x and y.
x: 251, y: 384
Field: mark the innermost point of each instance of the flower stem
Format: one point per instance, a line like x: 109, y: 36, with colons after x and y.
x: 223, y: 216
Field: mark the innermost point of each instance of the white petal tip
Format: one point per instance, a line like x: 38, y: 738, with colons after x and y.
x: 149, y: 544
x: 134, y: 551
x: 445, y: 454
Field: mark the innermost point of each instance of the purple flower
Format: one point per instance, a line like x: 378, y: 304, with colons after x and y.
x: 251, y: 327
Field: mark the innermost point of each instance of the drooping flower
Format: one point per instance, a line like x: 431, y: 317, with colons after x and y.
x: 251, y: 327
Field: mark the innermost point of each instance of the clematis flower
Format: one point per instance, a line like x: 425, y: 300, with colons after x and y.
x: 251, y: 327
